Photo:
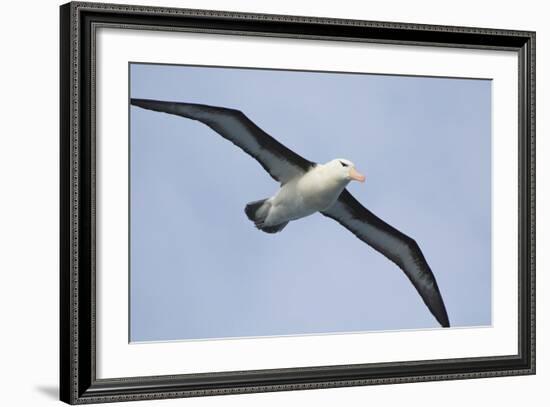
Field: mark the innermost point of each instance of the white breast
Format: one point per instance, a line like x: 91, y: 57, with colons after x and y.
x: 314, y: 191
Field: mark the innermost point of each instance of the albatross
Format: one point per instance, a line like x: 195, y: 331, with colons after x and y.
x: 307, y: 187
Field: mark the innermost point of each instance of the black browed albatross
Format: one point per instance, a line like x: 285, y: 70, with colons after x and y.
x: 308, y: 187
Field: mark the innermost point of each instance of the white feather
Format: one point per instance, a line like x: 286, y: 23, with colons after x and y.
x: 314, y: 191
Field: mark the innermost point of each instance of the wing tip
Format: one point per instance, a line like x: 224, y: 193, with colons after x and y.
x: 443, y: 319
x: 139, y: 102
x: 158, y: 106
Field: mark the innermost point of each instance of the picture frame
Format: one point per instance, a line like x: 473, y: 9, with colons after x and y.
x: 80, y: 214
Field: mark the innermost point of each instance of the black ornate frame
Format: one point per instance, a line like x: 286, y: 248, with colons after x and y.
x: 78, y: 382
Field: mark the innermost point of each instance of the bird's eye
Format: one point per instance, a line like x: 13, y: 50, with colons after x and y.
x: 344, y: 164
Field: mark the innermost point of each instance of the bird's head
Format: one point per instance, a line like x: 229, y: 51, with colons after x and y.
x: 344, y: 170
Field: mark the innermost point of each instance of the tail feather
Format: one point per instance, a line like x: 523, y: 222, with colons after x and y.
x: 273, y: 229
x: 252, y: 210
x: 257, y: 212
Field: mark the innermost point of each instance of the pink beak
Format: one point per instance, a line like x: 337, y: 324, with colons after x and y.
x: 356, y: 175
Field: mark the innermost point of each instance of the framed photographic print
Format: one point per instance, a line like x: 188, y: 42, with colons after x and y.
x: 256, y: 203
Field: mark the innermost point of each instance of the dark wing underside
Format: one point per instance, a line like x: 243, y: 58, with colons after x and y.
x: 280, y: 162
x: 396, y: 246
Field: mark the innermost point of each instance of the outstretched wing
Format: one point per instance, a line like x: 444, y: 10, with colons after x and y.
x: 280, y: 162
x: 396, y: 246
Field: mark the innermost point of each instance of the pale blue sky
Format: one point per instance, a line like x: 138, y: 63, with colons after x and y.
x: 199, y: 268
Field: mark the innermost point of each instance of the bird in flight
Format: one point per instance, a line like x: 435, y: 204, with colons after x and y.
x: 308, y: 187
